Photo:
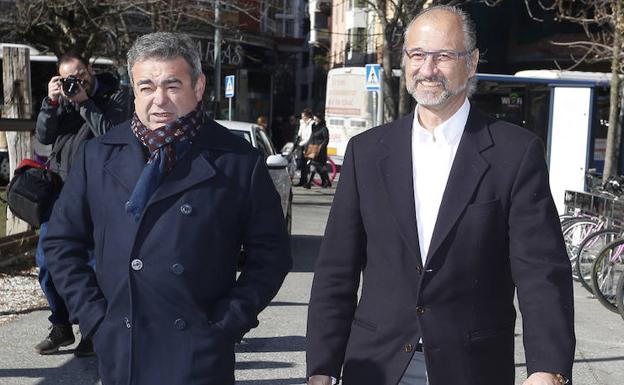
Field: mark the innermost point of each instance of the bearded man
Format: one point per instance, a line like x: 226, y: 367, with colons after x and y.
x: 444, y: 215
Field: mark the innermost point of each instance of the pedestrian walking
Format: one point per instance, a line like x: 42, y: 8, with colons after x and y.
x: 302, y: 138
x: 316, y: 153
x: 166, y: 200
x: 444, y: 215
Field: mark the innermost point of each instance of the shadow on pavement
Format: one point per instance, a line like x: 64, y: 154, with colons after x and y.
x: 23, y: 311
x: 279, y: 303
x: 603, y: 359
x: 598, y: 359
x: 277, y: 381
x: 305, y: 250
x: 271, y: 344
x: 245, y: 365
x: 83, y: 371
x: 325, y: 204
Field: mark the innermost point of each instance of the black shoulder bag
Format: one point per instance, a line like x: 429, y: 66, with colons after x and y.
x: 33, y: 190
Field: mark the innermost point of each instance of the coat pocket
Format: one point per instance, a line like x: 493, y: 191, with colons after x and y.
x: 213, y: 356
x: 483, y: 212
x: 478, y: 208
x: 364, y: 324
x: 488, y: 334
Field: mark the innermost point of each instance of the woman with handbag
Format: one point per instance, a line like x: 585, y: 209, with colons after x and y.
x: 302, y: 140
x: 316, y: 151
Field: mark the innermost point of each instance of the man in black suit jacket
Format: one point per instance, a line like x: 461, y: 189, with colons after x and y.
x: 444, y: 214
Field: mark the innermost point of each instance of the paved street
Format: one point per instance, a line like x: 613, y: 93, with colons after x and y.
x: 273, y: 354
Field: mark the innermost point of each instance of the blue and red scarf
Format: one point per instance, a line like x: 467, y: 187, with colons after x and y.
x: 166, y: 146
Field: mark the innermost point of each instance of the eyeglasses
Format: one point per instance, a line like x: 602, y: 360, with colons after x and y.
x: 443, y: 58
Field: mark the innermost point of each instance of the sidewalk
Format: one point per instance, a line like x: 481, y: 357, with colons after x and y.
x: 274, y: 353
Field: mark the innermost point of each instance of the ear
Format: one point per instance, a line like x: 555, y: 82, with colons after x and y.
x: 200, y: 86
x: 474, y: 61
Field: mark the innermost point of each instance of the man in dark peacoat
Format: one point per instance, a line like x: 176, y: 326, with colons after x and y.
x: 166, y: 306
x: 496, y: 232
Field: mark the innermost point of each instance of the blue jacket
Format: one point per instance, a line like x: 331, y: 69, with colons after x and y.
x: 165, y: 306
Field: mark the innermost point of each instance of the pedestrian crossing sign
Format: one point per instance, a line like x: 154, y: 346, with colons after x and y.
x: 373, y: 81
x: 229, y: 86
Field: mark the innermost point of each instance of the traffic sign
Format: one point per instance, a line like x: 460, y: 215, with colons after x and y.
x: 229, y: 86
x: 373, y: 80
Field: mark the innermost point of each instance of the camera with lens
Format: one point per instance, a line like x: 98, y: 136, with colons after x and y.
x: 71, y: 85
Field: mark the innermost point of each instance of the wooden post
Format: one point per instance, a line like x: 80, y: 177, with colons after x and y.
x: 17, y: 105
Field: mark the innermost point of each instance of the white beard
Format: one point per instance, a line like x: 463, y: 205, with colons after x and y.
x: 431, y: 98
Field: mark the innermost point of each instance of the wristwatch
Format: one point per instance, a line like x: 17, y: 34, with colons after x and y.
x: 561, y: 379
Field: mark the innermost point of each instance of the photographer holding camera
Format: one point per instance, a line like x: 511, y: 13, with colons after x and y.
x: 80, y: 105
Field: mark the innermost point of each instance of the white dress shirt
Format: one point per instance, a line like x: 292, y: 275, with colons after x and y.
x: 432, y: 157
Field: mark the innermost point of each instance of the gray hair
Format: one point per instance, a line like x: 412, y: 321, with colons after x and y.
x: 470, y: 36
x: 468, y: 26
x: 165, y: 46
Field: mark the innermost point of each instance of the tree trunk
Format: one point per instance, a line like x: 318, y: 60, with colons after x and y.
x: 388, y: 89
x: 17, y: 105
x: 404, y: 96
x: 610, y: 167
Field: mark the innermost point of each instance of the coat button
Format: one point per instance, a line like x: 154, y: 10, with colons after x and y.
x: 136, y: 264
x: 127, y: 323
x: 420, y: 310
x: 408, y: 348
x: 179, y: 324
x: 186, y: 209
x: 419, y: 269
x: 177, y: 269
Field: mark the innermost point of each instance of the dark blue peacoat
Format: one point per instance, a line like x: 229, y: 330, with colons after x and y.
x: 165, y: 306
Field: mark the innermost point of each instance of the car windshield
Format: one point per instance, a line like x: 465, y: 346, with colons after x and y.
x: 242, y: 134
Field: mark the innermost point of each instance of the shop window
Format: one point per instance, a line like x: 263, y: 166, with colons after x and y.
x: 304, y: 92
x: 320, y: 20
x: 305, y: 59
x: 357, y: 4
x: 357, y: 40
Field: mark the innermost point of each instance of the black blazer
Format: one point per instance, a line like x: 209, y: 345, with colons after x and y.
x: 497, y: 231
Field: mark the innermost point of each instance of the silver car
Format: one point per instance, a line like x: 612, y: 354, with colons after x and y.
x: 279, y: 165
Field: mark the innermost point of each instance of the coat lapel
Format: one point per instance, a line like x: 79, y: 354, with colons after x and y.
x: 395, y: 167
x: 466, y: 173
x: 194, y: 167
x: 127, y: 164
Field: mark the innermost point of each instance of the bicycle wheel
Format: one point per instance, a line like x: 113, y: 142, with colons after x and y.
x: 574, y: 235
x: 619, y: 296
x: 565, y: 217
x: 606, y: 272
x: 567, y: 222
x: 588, y: 251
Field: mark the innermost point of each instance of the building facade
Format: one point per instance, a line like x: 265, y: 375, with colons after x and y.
x: 266, y: 50
x: 356, y: 34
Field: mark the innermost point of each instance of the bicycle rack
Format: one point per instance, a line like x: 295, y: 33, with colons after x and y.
x: 590, y: 204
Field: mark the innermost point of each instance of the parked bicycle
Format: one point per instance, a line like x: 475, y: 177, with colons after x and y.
x: 606, y: 272
x: 592, y: 230
x: 619, y: 298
